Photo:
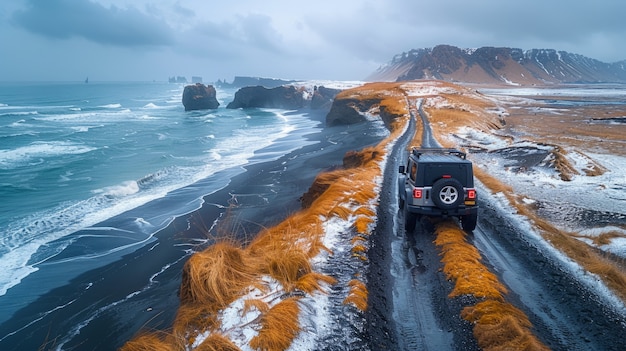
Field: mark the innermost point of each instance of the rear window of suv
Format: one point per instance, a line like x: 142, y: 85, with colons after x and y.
x: 434, y: 172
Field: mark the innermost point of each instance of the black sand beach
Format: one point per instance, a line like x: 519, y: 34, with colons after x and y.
x: 105, y: 307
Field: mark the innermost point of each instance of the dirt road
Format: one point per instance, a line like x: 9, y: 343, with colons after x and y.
x: 409, y: 307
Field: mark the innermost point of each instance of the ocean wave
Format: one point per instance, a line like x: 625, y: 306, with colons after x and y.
x: 111, y: 106
x: 19, y: 113
x: 41, y: 238
x: 84, y: 129
x: 91, y: 116
x: 153, y: 106
x: 38, y: 150
x: 126, y: 188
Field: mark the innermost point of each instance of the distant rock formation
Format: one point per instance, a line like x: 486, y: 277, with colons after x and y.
x: 177, y: 79
x: 199, y: 97
x: 499, y: 65
x: 241, y: 81
x: 285, y: 97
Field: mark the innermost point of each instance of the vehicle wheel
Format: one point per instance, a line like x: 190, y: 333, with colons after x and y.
x: 468, y: 223
x: 447, y: 193
x: 410, y: 219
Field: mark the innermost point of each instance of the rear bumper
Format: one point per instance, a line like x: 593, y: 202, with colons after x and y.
x: 437, y: 212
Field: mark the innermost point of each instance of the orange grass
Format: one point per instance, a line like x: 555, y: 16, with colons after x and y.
x: 562, y: 165
x: 314, y: 281
x: 279, y: 326
x: 602, y: 239
x: 215, y: 276
x: 288, y: 266
x: 255, y: 304
x: 498, y: 325
x: 150, y: 342
x: 462, y: 264
x: 217, y: 342
x: 193, y: 318
x: 361, y: 224
x: 358, y: 295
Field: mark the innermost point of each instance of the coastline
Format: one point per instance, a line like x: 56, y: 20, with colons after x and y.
x: 105, y: 307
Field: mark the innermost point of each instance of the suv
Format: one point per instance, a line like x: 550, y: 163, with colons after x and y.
x: 437, y: 183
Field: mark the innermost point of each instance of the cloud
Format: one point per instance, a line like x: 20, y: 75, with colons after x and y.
x: 314, y: 39
x: 65, y: 19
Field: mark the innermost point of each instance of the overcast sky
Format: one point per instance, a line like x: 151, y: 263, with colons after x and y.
x: 316, y: 39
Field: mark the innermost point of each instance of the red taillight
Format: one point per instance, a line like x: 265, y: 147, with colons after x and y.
x: 471, y: 194
x: 446, y: 176
x: 417, y: 193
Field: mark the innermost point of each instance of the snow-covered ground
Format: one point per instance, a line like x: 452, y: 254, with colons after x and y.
x: 586, y: 205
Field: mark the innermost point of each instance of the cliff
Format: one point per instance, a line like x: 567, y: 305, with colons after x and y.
x: 285, y: 97
x: 499, y: 65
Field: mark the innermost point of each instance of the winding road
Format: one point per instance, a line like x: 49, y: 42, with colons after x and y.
x: 409, y: 304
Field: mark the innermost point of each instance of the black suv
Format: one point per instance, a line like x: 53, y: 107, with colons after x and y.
x: 437, y: 183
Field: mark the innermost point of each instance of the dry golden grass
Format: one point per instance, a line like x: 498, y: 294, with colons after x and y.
x: 255, y: 304
x: 358, y: 295
x: 464, y: 109
x: 314, y: 281
x: 215, y: 276
x: 288, y: 266
x: 150, y: 342
x: 217, y: 342
x: 562, y: 165
x: 191, y: 319
x: 361, y: 224
x: 279, y: 326
x: 462, y: 263
x: 572, y: 127
x: 498, y: 325
x: 602, y: 239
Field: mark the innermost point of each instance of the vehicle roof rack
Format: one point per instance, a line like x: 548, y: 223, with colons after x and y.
x: 420, y: 151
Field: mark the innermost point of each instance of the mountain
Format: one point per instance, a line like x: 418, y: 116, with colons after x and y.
x: 499, y: 65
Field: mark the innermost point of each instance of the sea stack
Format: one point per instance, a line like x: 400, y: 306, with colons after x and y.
x: 199, y: 97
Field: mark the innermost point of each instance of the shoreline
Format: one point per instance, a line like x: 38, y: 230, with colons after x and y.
x: 108, y: 305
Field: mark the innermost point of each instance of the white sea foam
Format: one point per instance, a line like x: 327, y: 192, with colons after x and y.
x: 19, y: 113
x: 21, y: 251
x: 126, y: 188
x: 111, y: 106
x: 85, y: 116
x: 24, y: 155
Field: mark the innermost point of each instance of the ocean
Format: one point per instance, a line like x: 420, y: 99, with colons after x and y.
x: 98, y: 182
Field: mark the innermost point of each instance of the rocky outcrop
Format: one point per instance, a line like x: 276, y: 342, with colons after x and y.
x: 323, y: 97
x: 284, y: 97
x: 499, y: 65
x: 348, y: 111
x: 199, y: 97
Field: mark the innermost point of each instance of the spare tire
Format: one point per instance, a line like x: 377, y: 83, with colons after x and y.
x: 447, y: 193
